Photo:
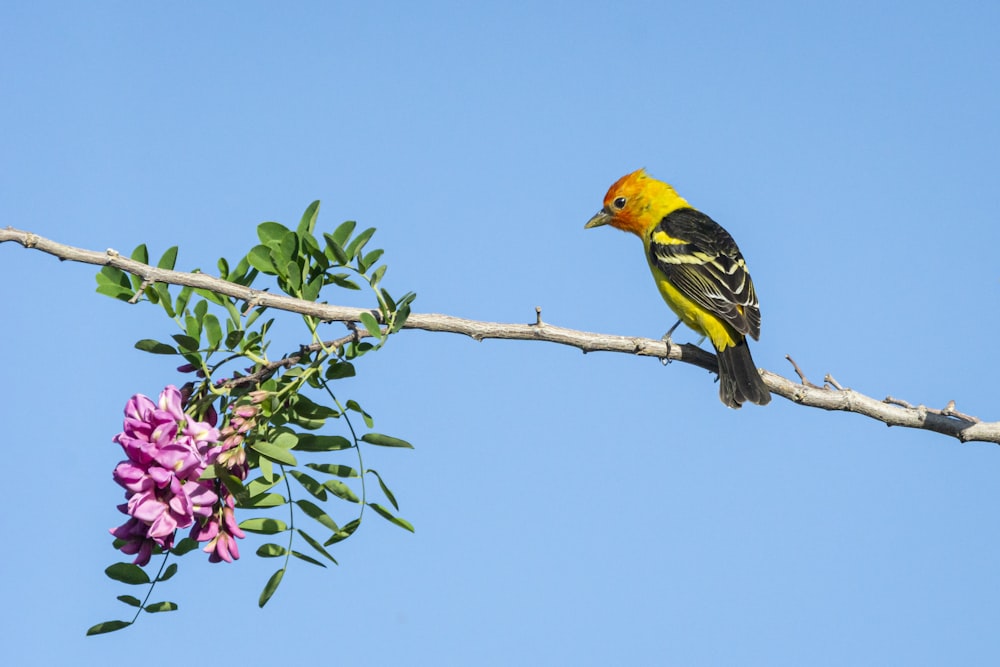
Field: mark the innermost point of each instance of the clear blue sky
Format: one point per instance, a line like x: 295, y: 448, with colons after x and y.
x: 569, y: 509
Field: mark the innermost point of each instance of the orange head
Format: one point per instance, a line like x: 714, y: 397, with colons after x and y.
x: 636, y: 202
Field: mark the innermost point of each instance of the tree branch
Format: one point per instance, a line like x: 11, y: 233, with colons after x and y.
x: 831, y: 396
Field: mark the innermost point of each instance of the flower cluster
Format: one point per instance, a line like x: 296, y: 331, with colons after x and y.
x: 167, y: 452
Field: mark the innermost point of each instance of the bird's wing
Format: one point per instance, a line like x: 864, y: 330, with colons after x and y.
x: 702, y: 260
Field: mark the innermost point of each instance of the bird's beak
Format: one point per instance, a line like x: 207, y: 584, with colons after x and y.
x: 602, y: 217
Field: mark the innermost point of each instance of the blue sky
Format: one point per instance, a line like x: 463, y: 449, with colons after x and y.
x: 569, y: 509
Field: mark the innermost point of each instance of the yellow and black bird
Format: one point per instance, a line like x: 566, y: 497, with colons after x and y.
x: 700, y: 273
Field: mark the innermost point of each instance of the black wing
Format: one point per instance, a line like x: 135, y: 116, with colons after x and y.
x: 702, y: 260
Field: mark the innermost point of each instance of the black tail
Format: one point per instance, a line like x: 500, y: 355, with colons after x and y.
x: 739, y: 380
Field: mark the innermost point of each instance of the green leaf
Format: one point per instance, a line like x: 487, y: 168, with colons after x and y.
x: 157, y: 607
x: 130, y: 600
x: 377, y: 275
x: 385, y: 489
x: 107, y: 626
x: 341, y: 280
x: 184, y: 546
x: 402, y: 523
x: 317, y: 513
x: 116, y: 292
x: 270, y: 587
x: 182, y: 300
x: 370, y: 259
x: 343, y: 232
x: 335, y: 251
x: 308, y: 222
x: 213, y: 330
x: 309, y: 484
x: 271, y: 233
x: 257, y: 486
x: 308, y: 559
x: 141, y: 254
x: 274, y: 452
x: 322, y: 443
x: 162, y: 293
x: 169, y: 259
x: 333, y: 469
x: 169, y: 572
x: 259, y: 258
x: 353, y: 405
x: 154, y: 346
x: 264, y: 500
x: 127, y: 573
x: 271, y: 550
x: 338, y: 370
x: 341, y: 490
x: 359, y: 241
x: 234, y: 338
x: 316, y: 545
x: 344, y: 532
x: 371, y: 324
x: 264, y: 525
x: 186, y: 343
x: 384, y: 440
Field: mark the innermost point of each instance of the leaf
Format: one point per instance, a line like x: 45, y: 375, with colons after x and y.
x: 264, y: 525
x: 257, y: 486
x: 344, y: 532
x: 182, y: 300
x: 309, y: 484
x: 154, y: 346
x: 107, y: 626
x: 259, y: 258
x: 157, y: 607
x: 186, y: 343
x: 270, y: 587
x: 334, y: 469
x: 341, y: 280
x: 184, y: 546
x: 317, y: 513
x: 338, y: 370
x: 130, y: 600
x: 264, y: 500
x: 343, y: 232
x: 384, y: 440
x: 116, y: 292
x: 316, y: 545
x: 234, y: 338
x: 169, y: 572
x: 141, y: 254
x: 385, y: 489
x: 213, y: 331
x: 341, y: 490
x: 271, y: 550
x: 402, y: 523
x: 371, y: 324
x: 322, y: 443
x: 308, y: 222
x: 274, y: 452
x: 335, y: 251
x: 169, y: 259
x: 359, y: 241
x: 308, y: 559
x: 353, y: 405
x: 127, y: 573
x: 271, y: 233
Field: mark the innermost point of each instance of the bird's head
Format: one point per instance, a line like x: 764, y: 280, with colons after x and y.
x: 636, y: 202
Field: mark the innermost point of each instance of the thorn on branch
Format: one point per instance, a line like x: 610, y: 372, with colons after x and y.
x: 802, y: 377
x: 538, y: 316
x: 146, y: 282
x: 950, y: 411
x: 829, y: 379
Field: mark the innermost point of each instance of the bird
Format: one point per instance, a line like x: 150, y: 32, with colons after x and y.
x: 700, y: 273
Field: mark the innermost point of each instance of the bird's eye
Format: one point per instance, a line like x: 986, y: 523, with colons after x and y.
x: 619, y: 202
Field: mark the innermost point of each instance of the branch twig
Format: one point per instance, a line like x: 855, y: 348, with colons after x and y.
x: 890, y: 411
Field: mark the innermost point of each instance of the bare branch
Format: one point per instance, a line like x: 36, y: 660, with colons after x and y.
x: 892, y: 412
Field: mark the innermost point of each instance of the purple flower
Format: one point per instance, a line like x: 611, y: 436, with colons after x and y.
x: 167, y: 452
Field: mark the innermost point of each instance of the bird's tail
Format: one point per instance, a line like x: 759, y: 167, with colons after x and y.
x: 739, y: 379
